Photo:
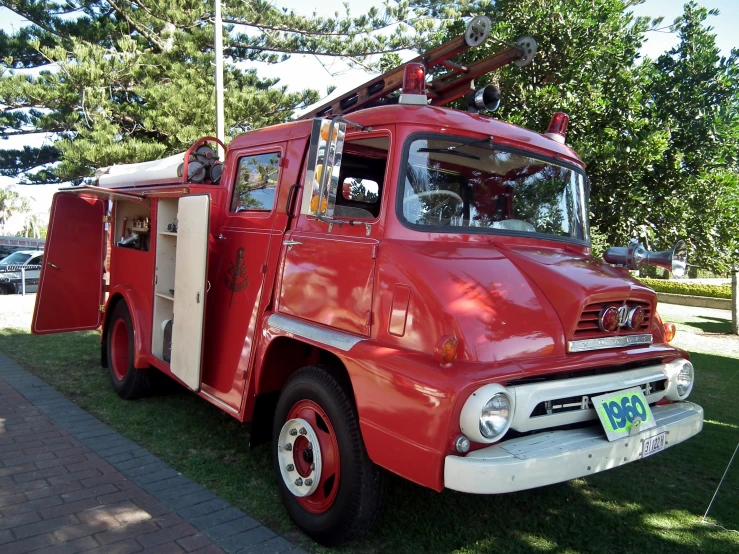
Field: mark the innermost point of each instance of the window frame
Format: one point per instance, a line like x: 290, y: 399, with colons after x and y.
x: 267, y: 149
x: 375, y: 133
x: 402, y: 171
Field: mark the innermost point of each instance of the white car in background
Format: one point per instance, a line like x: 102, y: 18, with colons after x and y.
x: 10, y: 271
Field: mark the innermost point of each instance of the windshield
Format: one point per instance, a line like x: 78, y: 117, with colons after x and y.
x: 453, y: 185
x: 16, y: 258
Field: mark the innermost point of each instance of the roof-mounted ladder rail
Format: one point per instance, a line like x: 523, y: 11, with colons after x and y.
x: 444, y: 89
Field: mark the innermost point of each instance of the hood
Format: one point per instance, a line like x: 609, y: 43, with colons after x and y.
x: 571, y: 281
x: 503, y: 304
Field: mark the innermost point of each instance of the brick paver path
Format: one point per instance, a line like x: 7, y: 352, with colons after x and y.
x: 69, y: 483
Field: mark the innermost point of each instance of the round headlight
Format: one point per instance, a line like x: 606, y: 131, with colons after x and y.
x: 685, y: 379
x: 494, y: 416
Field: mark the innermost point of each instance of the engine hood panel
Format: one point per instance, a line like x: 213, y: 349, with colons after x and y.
x: 503, y: 304
x: 473, y: 292
x: 571, y: 280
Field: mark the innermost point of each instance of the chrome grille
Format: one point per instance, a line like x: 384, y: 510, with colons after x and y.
x: 582, y: 402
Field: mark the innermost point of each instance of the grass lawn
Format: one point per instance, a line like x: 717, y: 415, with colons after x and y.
x: 655, y: 505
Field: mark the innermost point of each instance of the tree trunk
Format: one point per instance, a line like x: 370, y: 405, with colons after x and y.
x: 734, y: 302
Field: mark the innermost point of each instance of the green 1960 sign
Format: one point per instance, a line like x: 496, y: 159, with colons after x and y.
x: 620, y: 411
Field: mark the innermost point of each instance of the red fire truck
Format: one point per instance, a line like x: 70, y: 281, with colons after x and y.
x: 384, y: 285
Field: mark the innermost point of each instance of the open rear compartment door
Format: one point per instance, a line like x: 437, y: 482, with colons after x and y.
x: 193, y: 214
x: 70, y: 292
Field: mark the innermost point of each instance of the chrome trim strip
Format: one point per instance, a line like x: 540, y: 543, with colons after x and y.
x: 329, y: 337
x: 607, y: 342
x: 219, y: 402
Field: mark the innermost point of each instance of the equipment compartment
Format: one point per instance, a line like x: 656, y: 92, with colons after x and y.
x: 132, y: 225
x: 166, y: 261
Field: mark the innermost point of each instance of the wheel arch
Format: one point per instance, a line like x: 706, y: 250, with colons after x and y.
x: 133, y: 303
x: 283, y: 356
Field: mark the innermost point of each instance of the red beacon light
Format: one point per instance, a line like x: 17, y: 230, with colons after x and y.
x: 414, y: 85
x: 557, y: 129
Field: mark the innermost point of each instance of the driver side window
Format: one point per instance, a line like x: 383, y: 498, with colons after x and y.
x: 256, y: 182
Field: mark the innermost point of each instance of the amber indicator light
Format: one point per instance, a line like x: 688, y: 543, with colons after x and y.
x: 670, y: 331
x: 446, y: 349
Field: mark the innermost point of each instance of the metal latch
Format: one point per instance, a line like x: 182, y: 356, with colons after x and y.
x: 101, y: 307
x: 106, y: 219
x: 291, y: 243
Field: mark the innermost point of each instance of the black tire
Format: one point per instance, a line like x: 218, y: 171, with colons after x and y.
x: 360, y: 497
x: 4, y: 290
x: 130, y: 383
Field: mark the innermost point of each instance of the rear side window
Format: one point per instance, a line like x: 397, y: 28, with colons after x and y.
x: 256, y: 182
x: 362, y: 178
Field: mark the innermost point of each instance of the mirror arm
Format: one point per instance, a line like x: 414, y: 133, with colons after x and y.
x: 352, y: 124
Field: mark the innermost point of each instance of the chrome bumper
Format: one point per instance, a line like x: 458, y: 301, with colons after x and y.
x: 552, y: 457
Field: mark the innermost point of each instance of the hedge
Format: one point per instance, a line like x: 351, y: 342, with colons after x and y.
x: 694, y: 289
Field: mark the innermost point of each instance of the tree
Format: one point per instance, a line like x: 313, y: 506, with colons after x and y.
x: 34, y: 226
x: 659, y: 138
x: 127, y: 80
x: 694, y: 97
x: 11, y: 203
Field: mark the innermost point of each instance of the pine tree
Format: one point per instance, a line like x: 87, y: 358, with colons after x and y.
x: 120, y: 81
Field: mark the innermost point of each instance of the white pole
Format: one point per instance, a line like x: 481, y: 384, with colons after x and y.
x: 220, y: 133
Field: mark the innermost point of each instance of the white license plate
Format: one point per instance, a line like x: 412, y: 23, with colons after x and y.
x: 654, y: 444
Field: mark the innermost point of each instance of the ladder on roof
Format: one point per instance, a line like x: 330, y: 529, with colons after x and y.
x: 444, y: 89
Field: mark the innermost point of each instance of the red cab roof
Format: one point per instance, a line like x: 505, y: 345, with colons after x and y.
x: 425, y: 118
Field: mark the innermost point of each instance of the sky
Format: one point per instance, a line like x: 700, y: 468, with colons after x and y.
x: 302, y: 72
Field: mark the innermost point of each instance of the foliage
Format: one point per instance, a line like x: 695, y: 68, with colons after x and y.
x: 686, y: 287
x: 11, y: 203
x: 660, y: 138
x: 119, y: 81
x: 34, y: 226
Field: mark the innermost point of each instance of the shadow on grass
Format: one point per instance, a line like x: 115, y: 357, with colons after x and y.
x: 712, y: 325
x: 650, y: 506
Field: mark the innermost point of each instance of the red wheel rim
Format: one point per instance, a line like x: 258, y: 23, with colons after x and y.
x: 328, y: 486
x: 119, y: 349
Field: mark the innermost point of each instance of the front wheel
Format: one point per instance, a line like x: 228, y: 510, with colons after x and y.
x: 128, y: 381
x: 330, y: 487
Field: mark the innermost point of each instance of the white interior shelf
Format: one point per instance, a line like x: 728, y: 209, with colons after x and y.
x: 166, y: 262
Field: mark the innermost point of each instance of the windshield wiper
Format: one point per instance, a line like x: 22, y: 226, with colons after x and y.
x: 453, y: 149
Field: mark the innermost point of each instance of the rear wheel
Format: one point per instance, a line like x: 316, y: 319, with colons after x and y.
x: 128, y: 382
x: 330, y: 487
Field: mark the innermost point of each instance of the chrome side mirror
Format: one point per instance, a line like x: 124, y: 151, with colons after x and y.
x: 324, y: 163
x: 635, y: 255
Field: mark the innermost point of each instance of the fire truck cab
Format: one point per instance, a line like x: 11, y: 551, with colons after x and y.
x: 407, y: 288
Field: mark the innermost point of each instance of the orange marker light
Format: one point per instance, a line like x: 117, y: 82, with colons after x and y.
x: 670, y: 330
x: 446, y: 349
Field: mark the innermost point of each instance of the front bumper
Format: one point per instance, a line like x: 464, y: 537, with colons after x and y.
x: 552, y: 457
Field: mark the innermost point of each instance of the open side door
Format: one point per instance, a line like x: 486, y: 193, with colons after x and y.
x: 193, y: 214
x: 70, y: 292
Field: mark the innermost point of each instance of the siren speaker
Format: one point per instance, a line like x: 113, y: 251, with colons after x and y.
x: 486, y: 98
